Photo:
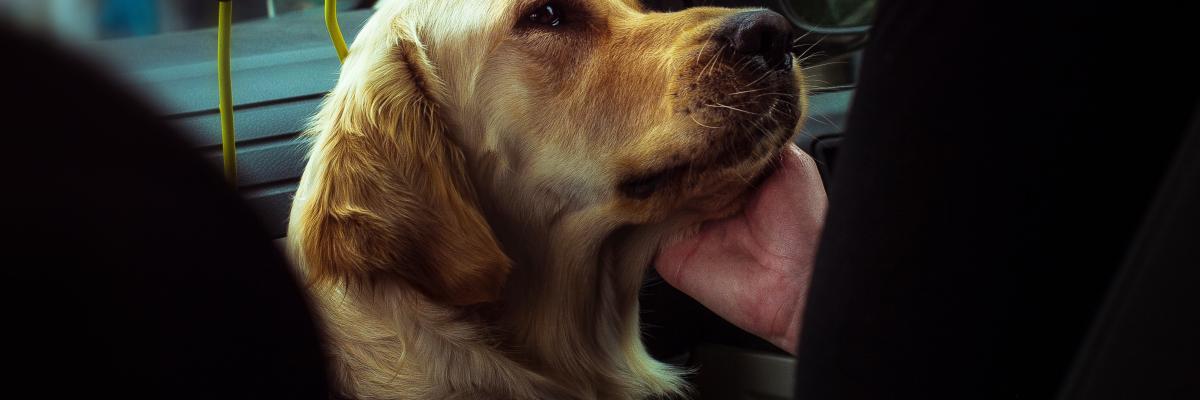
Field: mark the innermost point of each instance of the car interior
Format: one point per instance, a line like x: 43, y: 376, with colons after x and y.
x: 1130, y: 329
x: 176, y: 68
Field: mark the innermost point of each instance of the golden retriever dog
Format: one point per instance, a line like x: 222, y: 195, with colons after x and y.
x: 490, y: 181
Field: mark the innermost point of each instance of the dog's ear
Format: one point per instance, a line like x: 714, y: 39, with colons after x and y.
x: 386, y: 195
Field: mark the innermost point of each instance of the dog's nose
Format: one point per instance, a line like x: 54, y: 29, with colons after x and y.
x: 760, y: 33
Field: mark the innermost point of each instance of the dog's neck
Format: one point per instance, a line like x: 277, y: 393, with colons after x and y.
x: 565, y: 284
x: 571, y: 299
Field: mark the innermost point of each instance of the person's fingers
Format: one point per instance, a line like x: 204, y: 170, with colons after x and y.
x: 718, y: 269
x: 701, y: 264
x: 752, y: 268
x: 786, y: 214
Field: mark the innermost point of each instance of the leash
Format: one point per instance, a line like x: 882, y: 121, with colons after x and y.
x: 225, y: 78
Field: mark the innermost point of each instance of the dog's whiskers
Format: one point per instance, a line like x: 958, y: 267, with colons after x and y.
x: 712, y: 62
x: 704, y: 46
x: 801, y: 61
x: 719, y: 105
x: 812, y: 46
x: 693, y: 117
x: 743, y: 64
x: 824, y: 120
x: 805, y: 133
x: 764, y: 75
x: 806, y: 33
x: 779, y: 94
x: 746, y: 91
x: 822, y: 65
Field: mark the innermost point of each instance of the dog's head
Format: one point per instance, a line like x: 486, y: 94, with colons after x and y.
x: 535, y: 109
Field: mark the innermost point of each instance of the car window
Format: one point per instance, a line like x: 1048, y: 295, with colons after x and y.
x: 89, y: 20
x: 831, y: 13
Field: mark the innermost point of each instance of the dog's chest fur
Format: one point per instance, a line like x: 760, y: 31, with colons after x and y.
x: 391, y: 344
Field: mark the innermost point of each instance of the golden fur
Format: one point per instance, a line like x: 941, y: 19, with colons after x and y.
x: 484, y: 195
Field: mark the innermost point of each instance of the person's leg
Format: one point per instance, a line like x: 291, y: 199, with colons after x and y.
x: 998, y: 160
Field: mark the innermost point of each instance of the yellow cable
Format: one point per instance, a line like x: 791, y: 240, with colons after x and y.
x: 335, y: 32
x: 225, y: 83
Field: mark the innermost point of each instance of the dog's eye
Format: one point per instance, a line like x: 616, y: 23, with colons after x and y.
x: 547, y: 15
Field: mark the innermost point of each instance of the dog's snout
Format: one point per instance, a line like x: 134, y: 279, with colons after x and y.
x: 760, y: 33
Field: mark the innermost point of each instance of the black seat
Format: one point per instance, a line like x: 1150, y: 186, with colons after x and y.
x: 131, y: 269
x: 993, y: 178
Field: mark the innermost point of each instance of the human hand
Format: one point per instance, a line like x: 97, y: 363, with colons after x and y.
x: 753, y: 269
